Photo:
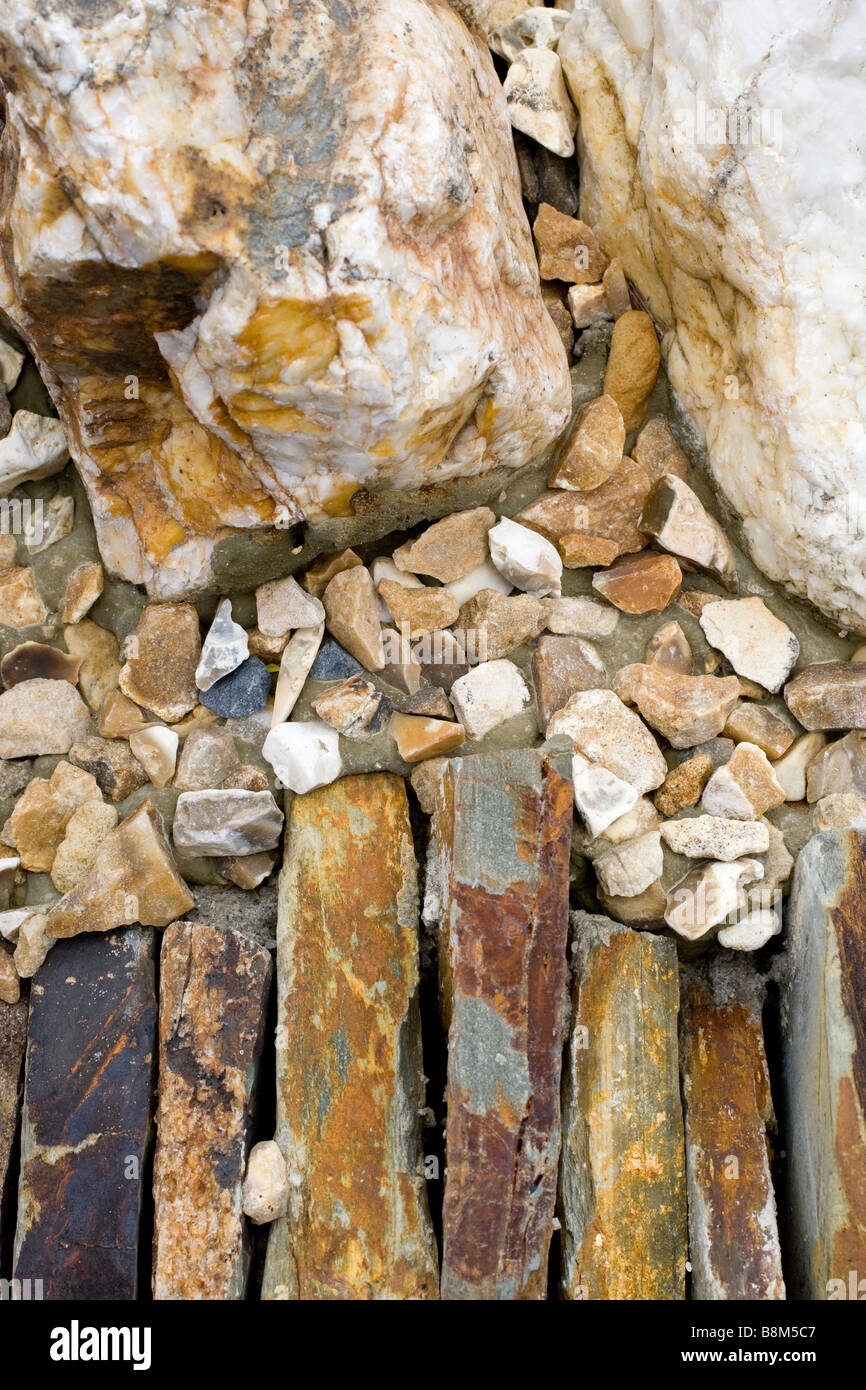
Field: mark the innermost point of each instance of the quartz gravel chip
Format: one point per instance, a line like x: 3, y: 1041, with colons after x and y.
x: 745, y: 788
x: 296, y: 663
x: 708, y: 895
x: 525, y: 558
x: 32, y: 660
x: 632, y: 365
x: 715, y: 837
x: 489, y: 695
x: 304, y: 754
x: 225, y: 647
x: 418, y: 737
x: 675, y: 516
x: 282, y: 605
x: 161, y: 660
x: 604, y: 730
x: 599, y: 795
x: 352, y: 616
x: 450, y: 549
x: 669, y: 646
x: 226, y: 822
x: 631, y: 867
x: 686, y: 710
x: 41, y: 716
x: 538, y: 101
x: 580, y: 617
x: 20, y: 602
x: 593, y: 449
x: 791, y: 770
x: 155, y: 746
x: 34, y: 448
x: 831, y: 695
x: 640, y: 583
x: 838, y: 767
x: 209, y: 756
x: 83, y: 588
x: 758, y: 645
x: 356, y: 708
x: 561, y: 666
x: 567, y: 248
x: 265, y: 1192
x: 751, y: 723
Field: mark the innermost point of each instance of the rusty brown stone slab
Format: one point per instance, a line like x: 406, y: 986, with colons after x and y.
x: 13, y: 1041
x: 824, y: 1069
x: 500, y: 867
x: 350, y: 1088
x: 213, y: 995
x: 86, y: 1120
x: 733, y: 1233
x: 622, y: 1182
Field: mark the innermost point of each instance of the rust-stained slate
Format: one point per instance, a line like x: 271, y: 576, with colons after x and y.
x: 499, y: 874
x: 350, y: 1088
x: 86, y: 1117
x: 13, y: 1040
x: 733, y: 1235
x: 213, y: 994
x: 824, y: 1067
x: 622, y: 1182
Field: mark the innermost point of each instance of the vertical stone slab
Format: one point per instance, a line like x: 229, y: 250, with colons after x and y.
x: 213, y: 998
x: 622, y: 1180
x: 733, y: 1233
x: 503, y: 831
x: 824, y: 1068
x: 350, y: 1088
x: 13, y: 1041
x: 86, y: 1118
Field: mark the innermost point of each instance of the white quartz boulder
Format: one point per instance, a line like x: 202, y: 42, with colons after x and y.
x: 722, y: 159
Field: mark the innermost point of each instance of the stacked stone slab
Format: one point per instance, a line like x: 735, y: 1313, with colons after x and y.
x: 86, y: 1120
x: 824, y: 1068
x: 350, y: 1088
x: 733, y: 1235
x: 502, y: 838
x: 213, y: 997
x: 622, y: 1179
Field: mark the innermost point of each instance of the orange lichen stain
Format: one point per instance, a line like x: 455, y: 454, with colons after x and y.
x: 162, y: 539
x: 199, y: 263
x: 296, y: 334
x: 252, y: 409
x: 485, y: 416
x: 339, y: 503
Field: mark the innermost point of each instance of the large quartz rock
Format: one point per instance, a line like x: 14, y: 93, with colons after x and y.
x: 709, y: 163
x: 303, y: 230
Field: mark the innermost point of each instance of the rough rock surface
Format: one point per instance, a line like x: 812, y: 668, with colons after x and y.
x: 213, y: 991
x: 733, y: 1236
x: 622, y: 1183
x: 295, y: 249
x: 731, y: 233
x: 825, y: 1066
x: 502, y: 954
x: 86, y: 1132
x: 13, y: 1042
x: 349, y: 1081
